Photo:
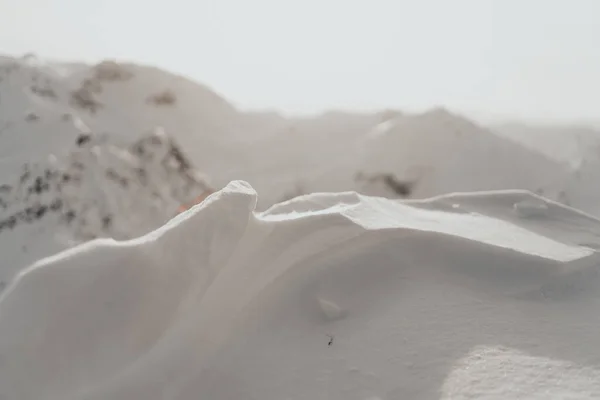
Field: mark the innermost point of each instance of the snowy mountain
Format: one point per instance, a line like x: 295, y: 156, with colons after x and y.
x: 45, y: 105
x: 339, y: 296
x: 96, y: 190
x: 438, y: 152
x: 51, y: 104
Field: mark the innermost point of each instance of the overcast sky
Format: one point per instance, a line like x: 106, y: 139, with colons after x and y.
x: 522, y: 58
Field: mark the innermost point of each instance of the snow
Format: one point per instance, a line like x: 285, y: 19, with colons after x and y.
x: 474, y: 274
x: 338, y: 296
x: 536, y: 377
x: 282, y: 157
x: 566, y: 143
x: 95, y: 190
x: 436, y: 152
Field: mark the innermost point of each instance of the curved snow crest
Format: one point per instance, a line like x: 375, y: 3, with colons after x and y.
x: 373, y: 213
x: 146, y: 318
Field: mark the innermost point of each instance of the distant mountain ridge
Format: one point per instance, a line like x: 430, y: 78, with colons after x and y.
x: 56, y: 118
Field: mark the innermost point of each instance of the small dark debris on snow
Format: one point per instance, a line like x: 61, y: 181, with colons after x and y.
x: 32, y: 213
x: 84, y: 99
x: 182, y: 162
x: 138, y: 150
x: 40, y: 211
x: 83, y: 139
x: 8, y: 223
x: 106, y: 221
x: 25, y: 175
x: 48, y: 174
x: 403, y: 189
x: 39, y: 186
x: 69, y: 216
x: 41, y: 91
x: 113, y: 175
x: 32, y: 117
x: 330, y: 340
x: 56, y: 205
x: 164, y: 98
x: 142, y: 176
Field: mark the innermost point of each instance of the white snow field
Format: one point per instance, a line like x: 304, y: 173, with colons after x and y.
x: 490, y: 295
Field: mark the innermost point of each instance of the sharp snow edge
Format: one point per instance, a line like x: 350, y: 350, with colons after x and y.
x: 180, y: 312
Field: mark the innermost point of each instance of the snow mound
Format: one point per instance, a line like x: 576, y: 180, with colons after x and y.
x: 336, y: 296
x: 44, y: 106
x: 437, y: 152
x: 96, y: 190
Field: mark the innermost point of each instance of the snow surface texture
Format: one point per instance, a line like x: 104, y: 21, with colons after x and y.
x: 328, y: 296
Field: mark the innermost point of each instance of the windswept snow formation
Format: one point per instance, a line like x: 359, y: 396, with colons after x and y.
x: 336, y: 296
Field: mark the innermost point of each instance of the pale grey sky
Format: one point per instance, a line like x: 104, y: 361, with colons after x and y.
x: 528, y: 58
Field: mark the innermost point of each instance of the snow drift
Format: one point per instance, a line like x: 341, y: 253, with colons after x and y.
x: 336, y: 296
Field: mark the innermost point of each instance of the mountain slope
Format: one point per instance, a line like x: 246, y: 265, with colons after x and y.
x: 438, y: 152
x: 116, y: 99
x: 96, y: 190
